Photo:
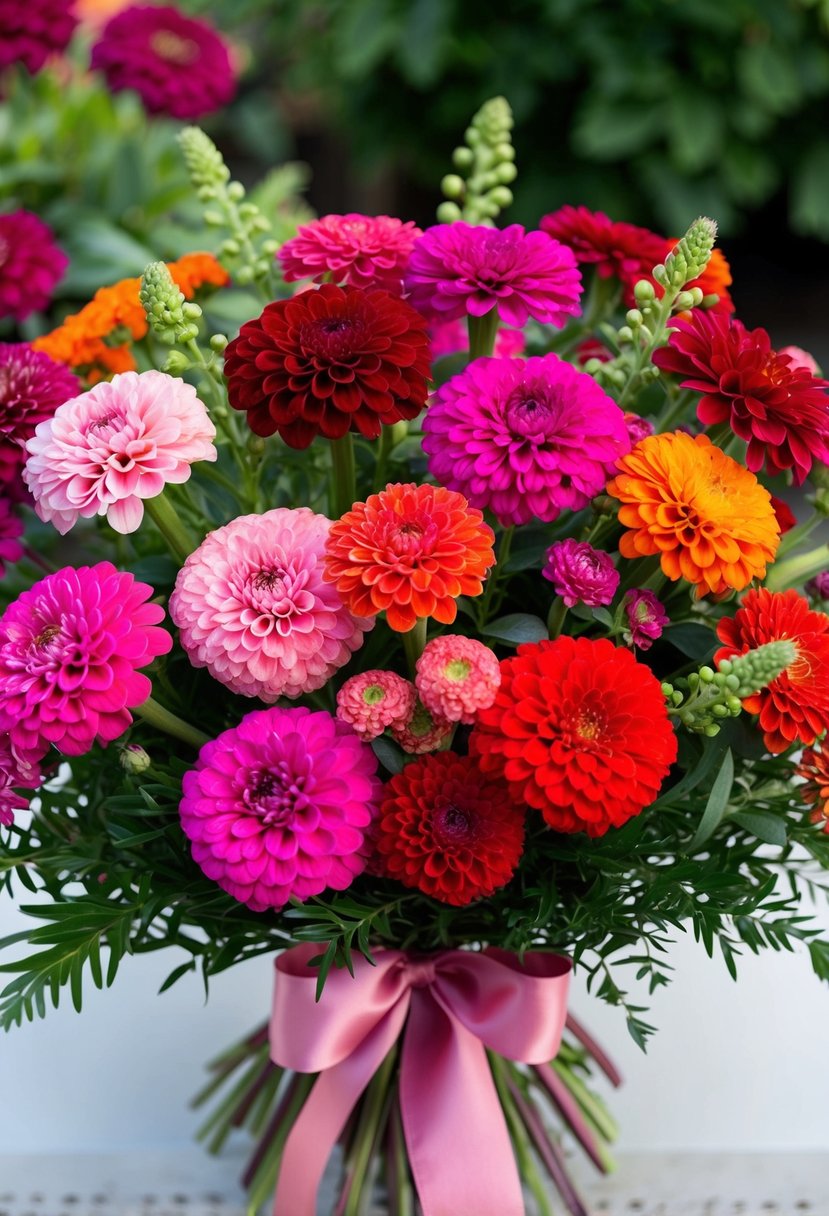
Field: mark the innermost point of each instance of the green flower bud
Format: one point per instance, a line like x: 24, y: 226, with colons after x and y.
x: 463, y: 158
x: 270, y: 247
x: 502, y: 197
x: 634, y: 318
x: 506, y: 172
x: 230, y: 248
x: 644, y: 292
x: 625, y: 334
x: 203, y: 159
x: 214, y: 219
x: 170, y: 318
x: 218, y: 342
x: 684, y: 301
x: 134, y: 759
x: 448, y: 213
x: 452, y: 186
x: 710, y: 300
x: 235, y: 191
x: 758, y: 668
x: 176, y: 363
x: 688, y: 259
x: 256, y: 445
x: 819, y: 475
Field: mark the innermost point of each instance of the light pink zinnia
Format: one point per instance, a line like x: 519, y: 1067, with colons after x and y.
x: 70, y: 651
x: 457, y: 677
x: 360, y: 250
x: 278, y: 807
x: 459, y: 269
x: 254, y: 609
x: 452, y: 338
x: 106, y: 451
x: 526, y: 439
x: 374, y: 700
x: 18, y: 770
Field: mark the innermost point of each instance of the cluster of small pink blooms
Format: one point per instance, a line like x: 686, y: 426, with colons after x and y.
x: 31, y: 33
x: 375, y: 700
x: 637, y: 427
x: 177, y: 65
x: 646, y: 619
x: 106, y: 451
x: 19, y: 769
x: 71, y: 649
x: 423, y: 732
x: 360, y: 250
x: 254, y: 608
x: 818, y: 587
x: 457, y: 677
x: 278, y: 807
x: 11, y: 529
x: 800, y: 358
x: 32, y: 386
x: 581, y: 574
x: 462, y: 269
x: 526, y: 439
x: 31, y: 264
x: 451, y: 338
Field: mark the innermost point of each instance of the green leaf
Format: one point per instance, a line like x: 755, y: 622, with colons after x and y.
x: 516, y: 628
x: 389, y: 754
x: 424, y: 39
x: 809, y: 190
x: 610, y: 130
x: 766, y: 826
x: 717, y: 803
x: 695, y: 641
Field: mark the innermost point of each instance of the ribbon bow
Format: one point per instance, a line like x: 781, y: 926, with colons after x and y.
x: 449, y: 1008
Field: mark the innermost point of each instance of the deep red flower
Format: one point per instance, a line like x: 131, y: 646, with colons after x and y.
x: 795, y: 706
x: 580, y: 731
x: 617, y: 250
x: 779, y: 409
x: 786, y: 517
x: 31, y: 33
x: 328, y: 361
x: 449, y: 830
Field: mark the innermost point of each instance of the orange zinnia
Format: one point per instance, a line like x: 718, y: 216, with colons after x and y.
x: 708, y: 518
x: 814, y: 769
x: 409, y: 551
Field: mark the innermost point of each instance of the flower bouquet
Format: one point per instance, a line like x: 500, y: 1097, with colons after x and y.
x: 436, y: 633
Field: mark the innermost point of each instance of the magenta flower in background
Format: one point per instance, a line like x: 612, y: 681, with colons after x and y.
x: 71, y: 648
x: 638, y: 428
x: 106, y: 451
x: 278, y: 807
x: 31, y: 264
x: 11, y: 529
x: 178, y: 65
x: 32, y: 386
x: 452, y: 337
x: 374, y: 700
x: 818, y: 587
x: 31, y: 32
x: 360, y: 250
x: 457, y: 677
x: 646, y: 619
x: 463, y: 269
x: 581, y: 574
x: 523, y: 438
x: 254, y: 608
x: 18, y: 770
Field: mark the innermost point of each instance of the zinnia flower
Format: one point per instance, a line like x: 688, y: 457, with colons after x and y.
x: 362, y: 250
x: 708, y: 518
x: 637, y: 427
x: 329, y: 361
x: 254, y: 609
x: 462, y: 269
x: 106, y: 451
x: 31, y: 264
x: 278, y: 807
x: 375, y: 700
x: 176, y: 64
x: 32, y: 386
x: 409, y: 551
x: 800, y: 358
x: 11, y: 528
x: 448, y: 829
x: 422, y: 732
x: 813, y: 767
x: 581, y: 574
x: 457, y: 677
x: 31, y: 33
x: 580, y: 731
x: 71, y: 648
x: 448, y: 338
x: 526, y: 439
x: 795, y: 706
x: 646, y: 618
x: 18, y: 770
x: 818, y: 587
x: 786, y: 518
x: 617, y: 250
x: 780, y: 410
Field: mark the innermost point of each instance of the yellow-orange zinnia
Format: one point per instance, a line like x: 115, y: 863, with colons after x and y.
x: 708, y: 518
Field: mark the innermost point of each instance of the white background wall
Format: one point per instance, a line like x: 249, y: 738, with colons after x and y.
x: 735, y: 1066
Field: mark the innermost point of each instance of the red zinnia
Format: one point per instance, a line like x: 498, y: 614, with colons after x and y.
x: 795, y: 706
x: 328, y: 361
x: 617, y: 250
x: 779, y: 409
x: 580, y: 731
x: 448, y: 830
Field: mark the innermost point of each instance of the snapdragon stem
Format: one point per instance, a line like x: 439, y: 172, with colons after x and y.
x: 164, y: 516
x: 162, y: 719
x: 344, y: 488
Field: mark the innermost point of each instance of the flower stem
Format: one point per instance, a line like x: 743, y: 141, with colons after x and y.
x: 495, y: 573
x: 414, y: 642
x: 797, y: 570
x: 482, y: 334
x: 556, y: 617
x: 159, y: 717
x: 163, y: 515
x: 344, y: 486
x: 372, y: 1122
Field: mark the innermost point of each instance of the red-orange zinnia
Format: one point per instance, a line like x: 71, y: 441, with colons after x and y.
x: 814, y: 769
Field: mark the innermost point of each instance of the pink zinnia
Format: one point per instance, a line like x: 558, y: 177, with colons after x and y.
x: 457, y: 677
x: 581, y: 574
x: 31, y: 33
x: 800, y: 358
x: 278, y: 807
x: 32, y: 386
x: 646, y: 618
x: 459, y: 269
x: 177, y: 65
x: 254, y: 609
x: 361, y: 250
x: 11, y: 529
x: 423, y: 732
x: 637, y: 427
x: 70, y: 651
x: 375, y: 700
x: 31, y: 264
x: 526, y: 439
x: 18, y: 770
x: 452, y: 338
x: 106, y: 451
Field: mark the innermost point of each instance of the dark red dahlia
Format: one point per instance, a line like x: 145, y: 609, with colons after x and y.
x: 30, y: 33
x: 779, y: 409
x: 617, y: 250
x: 449, y: 830
x: 32, y: 386
x: 329, y: 361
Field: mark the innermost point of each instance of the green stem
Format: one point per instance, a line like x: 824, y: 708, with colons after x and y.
x: 796, y: 535
x: 556, y: 617
x: 375, y: 1106
x: 797, y: 570
x: 164, y: 516
x: 520, y: 1139
x: 413, y: 643
x: 494, y: 574
x: 482, y: 334
x: 159, y: 717
x: 344, y: 485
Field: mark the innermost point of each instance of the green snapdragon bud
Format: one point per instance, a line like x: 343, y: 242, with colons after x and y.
x: 689, y: 257
x: 479, y: 190
x: 170, y: 317
x: 204, y: 161
x: 758, y: 668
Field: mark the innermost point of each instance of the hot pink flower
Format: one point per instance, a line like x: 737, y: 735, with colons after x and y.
x: 70, y: 651
x: 457, y: 677
x: 581, y: 574
x: 278, y: 807
x: 459, y: 269
x: 31, y: 264
x: 32, y: 386
x: 18, y: 770
x: 646, y: 618
x: 106, y: 451
x: 11, y: 528
x: 254, y: 609
x: 361, y: 250
x: 374, y: 700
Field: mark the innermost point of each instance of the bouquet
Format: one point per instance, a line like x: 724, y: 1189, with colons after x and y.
x: 446, y: 627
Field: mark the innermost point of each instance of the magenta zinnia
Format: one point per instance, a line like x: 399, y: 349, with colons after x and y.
x: 18, y: 770
x: 71, y: 648
x: 581, y: 574
x: 254, y: 609
x: 32, y: 386
x: 278, y: 807
x: 526, y: 439
x: 361, y: 250
x: 32, y: 32
x: 31, y: 264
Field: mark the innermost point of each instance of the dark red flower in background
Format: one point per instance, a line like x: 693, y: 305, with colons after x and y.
x: 32, y: 31
x: 31, y: 264
x: 32, y: 386
x: 617, y: 250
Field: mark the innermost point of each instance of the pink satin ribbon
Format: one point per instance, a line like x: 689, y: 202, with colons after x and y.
x: 449, y: 1008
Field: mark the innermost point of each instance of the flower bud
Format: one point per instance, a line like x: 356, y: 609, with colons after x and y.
x: 452, y: 186
x: 758, y: 668
x: 177, y: 363
x: 203, y: 159
x: 170, y: 318
x: 689, y: 257
x: 218, y: 342
x: 134, y: 759
x: 644, y: 291
x: 448, y: 213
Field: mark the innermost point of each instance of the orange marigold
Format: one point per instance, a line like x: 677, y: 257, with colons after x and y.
x: 814, y: 769
x: 409, y: 551
x: 708, y: 518
x: 195, y: 270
